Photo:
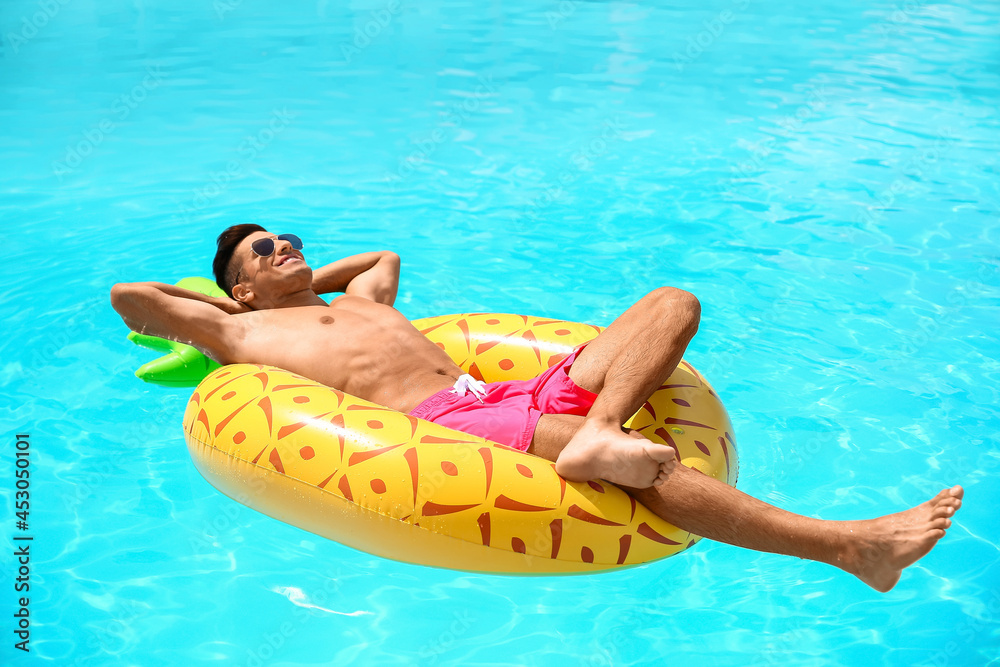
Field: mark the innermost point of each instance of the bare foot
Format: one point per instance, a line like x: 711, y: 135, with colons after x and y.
x: 880, y: 549
x: 609, y: 453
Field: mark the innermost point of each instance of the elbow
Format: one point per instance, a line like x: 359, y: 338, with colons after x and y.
x: 124, y: 293
x: 118, y: 293
x: 391, y: 281
x: 391, y: 258
x: 393, y: 263
x: 124, y: 300
x: 121, y: 303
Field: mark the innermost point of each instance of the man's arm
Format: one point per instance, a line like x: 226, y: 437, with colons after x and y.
x: 225, y: 304
x: 373, y: 275
x: 168, y: 311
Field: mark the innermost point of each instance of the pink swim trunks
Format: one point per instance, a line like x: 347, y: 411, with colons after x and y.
x: 510, y: 409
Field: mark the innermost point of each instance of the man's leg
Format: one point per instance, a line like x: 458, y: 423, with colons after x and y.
x: 876, y: 551
x: 624, y: 365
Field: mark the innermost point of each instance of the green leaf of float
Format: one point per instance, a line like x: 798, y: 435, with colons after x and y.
x: 183, y: 365
x: 152, y: 342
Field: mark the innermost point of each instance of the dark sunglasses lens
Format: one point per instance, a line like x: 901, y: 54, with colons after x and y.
x: 293, y: 239
x: 263, y: 247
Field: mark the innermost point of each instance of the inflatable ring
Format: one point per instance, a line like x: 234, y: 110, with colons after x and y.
x: 400, y: 487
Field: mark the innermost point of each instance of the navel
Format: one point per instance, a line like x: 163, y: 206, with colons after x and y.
x: 326, y: 319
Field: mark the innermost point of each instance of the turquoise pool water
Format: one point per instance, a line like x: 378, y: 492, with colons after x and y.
x: 823, y: 176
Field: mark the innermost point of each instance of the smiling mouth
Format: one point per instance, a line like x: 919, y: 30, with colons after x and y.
x: 288, y: 258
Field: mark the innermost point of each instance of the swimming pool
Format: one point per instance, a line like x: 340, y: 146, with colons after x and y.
x: 823, y: 177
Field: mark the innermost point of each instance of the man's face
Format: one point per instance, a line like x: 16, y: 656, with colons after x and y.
x: 282, y: 272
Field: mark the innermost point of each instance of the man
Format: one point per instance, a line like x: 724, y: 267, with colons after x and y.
x: 361, y: 345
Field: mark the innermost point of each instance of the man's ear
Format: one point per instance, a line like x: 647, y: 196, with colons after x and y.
x: 242, y: 294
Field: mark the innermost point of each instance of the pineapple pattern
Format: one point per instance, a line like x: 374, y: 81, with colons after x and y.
x: 391, y: 484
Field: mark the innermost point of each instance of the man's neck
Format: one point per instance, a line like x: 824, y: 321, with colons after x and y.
x: 305, y: 297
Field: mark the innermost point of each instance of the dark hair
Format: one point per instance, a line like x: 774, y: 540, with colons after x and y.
x: 226, y: 271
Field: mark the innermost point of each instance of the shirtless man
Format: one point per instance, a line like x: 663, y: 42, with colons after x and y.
x: 362, y: 345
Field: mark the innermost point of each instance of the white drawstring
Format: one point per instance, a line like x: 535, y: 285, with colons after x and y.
x: 468, y: 383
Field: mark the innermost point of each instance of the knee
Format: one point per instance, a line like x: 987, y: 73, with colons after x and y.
x: 679, y: 306
x: 678, y: 300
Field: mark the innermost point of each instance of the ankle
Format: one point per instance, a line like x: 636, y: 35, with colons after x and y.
x: 847, y: 551
x: 602, y: 423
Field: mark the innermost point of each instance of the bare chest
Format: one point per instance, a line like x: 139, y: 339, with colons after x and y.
x: 309, y: 330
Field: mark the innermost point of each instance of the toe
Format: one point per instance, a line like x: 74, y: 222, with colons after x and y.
x: 941, y: 523
x: 660, y: 453
x: 949, y: 508
x: 942, y: 510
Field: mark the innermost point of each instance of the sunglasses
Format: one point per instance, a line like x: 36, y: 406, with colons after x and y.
x: 264, y: 247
